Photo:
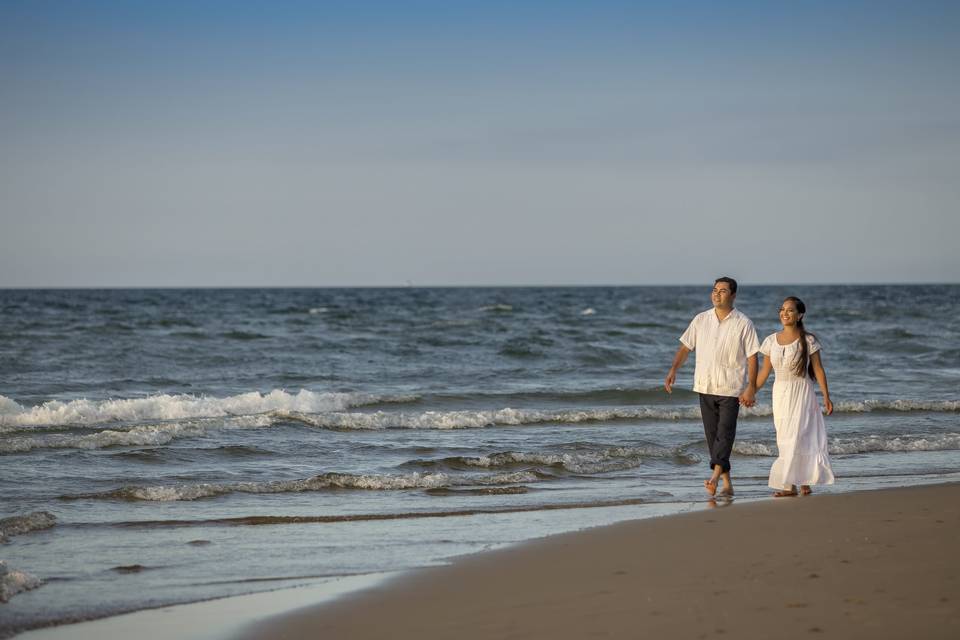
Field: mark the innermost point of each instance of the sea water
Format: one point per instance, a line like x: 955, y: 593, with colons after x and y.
x: 167, y: 446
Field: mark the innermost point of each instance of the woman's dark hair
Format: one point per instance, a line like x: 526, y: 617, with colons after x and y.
x: 803, y: 363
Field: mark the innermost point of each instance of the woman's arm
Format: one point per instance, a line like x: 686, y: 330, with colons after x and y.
x: 764, y: 372
x: 821, y: 376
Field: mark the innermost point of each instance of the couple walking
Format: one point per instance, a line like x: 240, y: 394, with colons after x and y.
x: 726, y: 348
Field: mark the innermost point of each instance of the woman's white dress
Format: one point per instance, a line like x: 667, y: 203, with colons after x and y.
x: 801, y: 432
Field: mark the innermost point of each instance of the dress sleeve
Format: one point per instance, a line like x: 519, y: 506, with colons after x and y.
x: 689, y: 337
x: 765, y: 347
x: 813, y: 345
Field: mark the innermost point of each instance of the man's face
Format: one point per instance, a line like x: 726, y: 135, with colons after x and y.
x: 721, y: 295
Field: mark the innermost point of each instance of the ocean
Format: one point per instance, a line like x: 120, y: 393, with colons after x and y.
x: 169, y: 446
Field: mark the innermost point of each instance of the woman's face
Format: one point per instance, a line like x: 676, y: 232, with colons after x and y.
x: 788, y: 313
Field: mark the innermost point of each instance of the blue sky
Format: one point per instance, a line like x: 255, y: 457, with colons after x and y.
x: 456, y: 143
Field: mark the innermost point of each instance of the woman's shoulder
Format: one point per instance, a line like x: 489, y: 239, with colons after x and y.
x: 812, y: 341
x: 767, y: 345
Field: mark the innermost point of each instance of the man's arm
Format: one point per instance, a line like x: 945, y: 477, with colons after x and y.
x: 751, y: 345
x: 748, y: 397
x: 678, y: 361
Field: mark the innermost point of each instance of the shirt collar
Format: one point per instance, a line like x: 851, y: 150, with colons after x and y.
x: 733, y: 313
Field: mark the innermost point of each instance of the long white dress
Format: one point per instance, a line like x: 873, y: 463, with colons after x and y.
x: 801, y: 432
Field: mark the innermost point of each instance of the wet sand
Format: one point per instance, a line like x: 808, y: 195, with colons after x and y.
x: 876, y: 564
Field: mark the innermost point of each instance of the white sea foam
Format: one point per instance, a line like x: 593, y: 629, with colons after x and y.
x: 8, y: 406
x: 515, y: 417
x: 481, y: 419
x: 939, y: 406
x: 13, y: 582
x: 864, y: 444
x: 904, y: 443
x: 867, y: 406
x: 748, y: 448
x: 142, y: 435
x: 16, y: 525
x: 179, y: 407
x: 372, y: 482
x: 327, y: 410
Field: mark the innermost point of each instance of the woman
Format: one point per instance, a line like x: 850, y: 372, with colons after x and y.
x: 794, y: 355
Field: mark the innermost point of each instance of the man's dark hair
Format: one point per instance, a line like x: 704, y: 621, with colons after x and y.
x: 729, y: 281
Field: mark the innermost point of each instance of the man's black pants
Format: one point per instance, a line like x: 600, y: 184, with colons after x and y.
x: 719, y: 415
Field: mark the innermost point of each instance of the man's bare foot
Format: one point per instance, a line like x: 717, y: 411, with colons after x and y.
x: 711, y: 486
x: 785, y: 493
x: 806, y: 490
x: 727, y: 491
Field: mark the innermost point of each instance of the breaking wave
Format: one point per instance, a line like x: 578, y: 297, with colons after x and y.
x: 864, y: 444
x: 143, y: 435
x: 936, y: 406
x: 17, y: 525
x: 589, y: 462
x: 13, y: 582
x: 372, y: 482
x: 602, y: 395
x: 515, y: 417
x: 481, y: 419
x: 179, y: 407
x: 328, y: 410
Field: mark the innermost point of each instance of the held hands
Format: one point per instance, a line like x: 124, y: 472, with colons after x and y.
x: 749, y: 397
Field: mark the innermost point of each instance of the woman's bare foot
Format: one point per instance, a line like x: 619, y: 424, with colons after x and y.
x: 711, y: 486
x: 785, y: 493
x: 806, y: 490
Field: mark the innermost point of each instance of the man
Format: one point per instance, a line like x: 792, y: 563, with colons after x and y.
x: 726, y: 345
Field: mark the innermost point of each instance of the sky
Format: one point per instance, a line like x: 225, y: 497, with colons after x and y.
x: 181, y: 144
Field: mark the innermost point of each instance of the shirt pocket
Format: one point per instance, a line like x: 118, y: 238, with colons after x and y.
x: 729, y: 352
x: 729, y: 377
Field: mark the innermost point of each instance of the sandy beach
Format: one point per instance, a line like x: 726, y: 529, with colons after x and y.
x: 874, y: 564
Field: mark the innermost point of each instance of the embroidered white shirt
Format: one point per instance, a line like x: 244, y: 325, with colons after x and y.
x: 722, y: 349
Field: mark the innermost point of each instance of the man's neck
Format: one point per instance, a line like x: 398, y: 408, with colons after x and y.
x: 722, y: 313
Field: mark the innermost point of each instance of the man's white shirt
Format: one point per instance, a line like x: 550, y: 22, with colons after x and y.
x: 722, y: 349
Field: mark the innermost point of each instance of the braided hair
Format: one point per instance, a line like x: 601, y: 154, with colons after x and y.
x: 802, y: 365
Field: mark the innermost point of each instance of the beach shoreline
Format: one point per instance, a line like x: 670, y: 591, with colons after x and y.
x: 875, y: 564
x: 215, y: 619
x: 531, y: 587
x: 225, y: 617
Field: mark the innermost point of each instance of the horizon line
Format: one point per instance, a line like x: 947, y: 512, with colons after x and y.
x: 464, y: 286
